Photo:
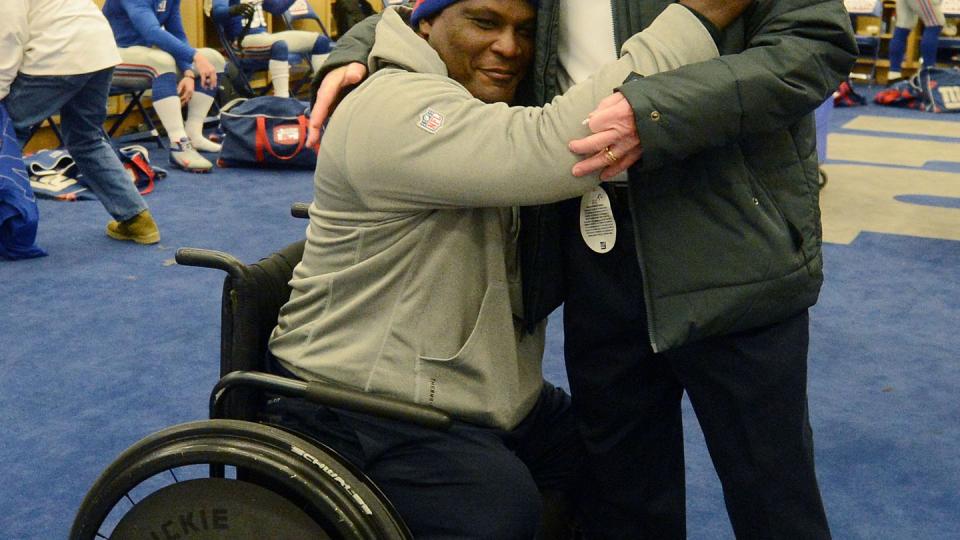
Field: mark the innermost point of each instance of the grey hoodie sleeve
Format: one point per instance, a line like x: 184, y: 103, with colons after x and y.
x: 414, y: 140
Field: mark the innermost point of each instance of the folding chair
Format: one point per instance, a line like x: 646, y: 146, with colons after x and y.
x: 301, y: 12
x: 301, y: 16
x: 867, y: 43
x: 53, y: 127
x: 240, y: 66
x: 135, y: 95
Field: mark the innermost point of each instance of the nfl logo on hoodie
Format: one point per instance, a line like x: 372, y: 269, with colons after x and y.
x: 430, y: 121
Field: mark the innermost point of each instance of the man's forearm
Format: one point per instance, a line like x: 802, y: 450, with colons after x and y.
x: 795, y: 54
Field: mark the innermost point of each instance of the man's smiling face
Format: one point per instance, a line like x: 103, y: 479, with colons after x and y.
x: 487, y: 45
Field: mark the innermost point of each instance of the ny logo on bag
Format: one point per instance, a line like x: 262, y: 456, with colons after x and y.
x: 950, y: 96
x: 941, y: 89
x: 286, y: 134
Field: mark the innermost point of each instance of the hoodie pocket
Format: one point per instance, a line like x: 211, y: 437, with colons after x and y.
x: 460, y: 382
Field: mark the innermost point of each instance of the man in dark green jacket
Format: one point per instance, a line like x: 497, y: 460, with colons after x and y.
x: 704, y: 285
x: 706, y: 289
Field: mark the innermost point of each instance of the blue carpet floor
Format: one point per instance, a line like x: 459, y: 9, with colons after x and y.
x: 103, y: 342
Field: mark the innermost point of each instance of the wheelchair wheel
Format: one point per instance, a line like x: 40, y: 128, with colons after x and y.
x: 233, y: 479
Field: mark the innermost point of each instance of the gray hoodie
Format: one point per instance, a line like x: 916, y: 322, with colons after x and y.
x: 409, y: 284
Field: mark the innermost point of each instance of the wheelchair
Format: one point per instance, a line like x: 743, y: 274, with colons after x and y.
x: 234, y: 475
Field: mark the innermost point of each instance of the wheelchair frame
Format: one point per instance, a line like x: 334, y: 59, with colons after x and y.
x: 288, y: 470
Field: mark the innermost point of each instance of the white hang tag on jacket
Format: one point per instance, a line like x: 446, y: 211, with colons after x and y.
x: 597, y: 226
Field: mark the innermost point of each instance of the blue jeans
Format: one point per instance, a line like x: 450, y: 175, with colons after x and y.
x: 81, y: 101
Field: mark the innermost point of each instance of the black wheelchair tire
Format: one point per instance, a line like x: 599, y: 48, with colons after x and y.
x: 322, y: 484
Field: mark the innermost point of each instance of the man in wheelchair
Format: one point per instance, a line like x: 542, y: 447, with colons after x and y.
x: 409, y: 285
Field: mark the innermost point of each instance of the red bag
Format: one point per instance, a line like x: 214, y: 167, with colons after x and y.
x: 136, y: 160
x: 846, y: 96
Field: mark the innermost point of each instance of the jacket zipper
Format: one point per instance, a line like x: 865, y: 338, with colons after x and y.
x: 613, y: 30
x: 648, y: 306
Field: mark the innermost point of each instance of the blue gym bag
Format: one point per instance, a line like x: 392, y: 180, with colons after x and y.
x: 941, y: 90
x: 266, y: 131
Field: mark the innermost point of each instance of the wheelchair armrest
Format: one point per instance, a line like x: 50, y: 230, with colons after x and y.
x: 331, y: 395
x: 208, y: 258
x: 300, y: 210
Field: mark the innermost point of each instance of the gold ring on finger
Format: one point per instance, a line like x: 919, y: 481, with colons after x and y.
x: 611, y: 157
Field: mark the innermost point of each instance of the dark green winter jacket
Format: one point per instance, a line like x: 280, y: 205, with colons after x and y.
x: 725, y: 200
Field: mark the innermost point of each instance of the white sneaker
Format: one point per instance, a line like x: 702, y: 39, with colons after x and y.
x: 204, y: 144
x: 184, y: 156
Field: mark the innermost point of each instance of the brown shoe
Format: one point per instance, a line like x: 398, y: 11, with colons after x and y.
x: 140, y: 228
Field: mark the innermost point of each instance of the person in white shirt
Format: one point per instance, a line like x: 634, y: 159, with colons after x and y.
x: 57, y: 56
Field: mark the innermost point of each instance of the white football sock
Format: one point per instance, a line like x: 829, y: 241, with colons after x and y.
x: 168, y: 110
x: 197, y: 111
x: 280, y: 77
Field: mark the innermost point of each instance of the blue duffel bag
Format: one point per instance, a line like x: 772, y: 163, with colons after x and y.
x: 266, y: 131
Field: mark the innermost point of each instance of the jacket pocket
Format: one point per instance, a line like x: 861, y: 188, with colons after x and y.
x: 463, y: 382
x: 763, y: 198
